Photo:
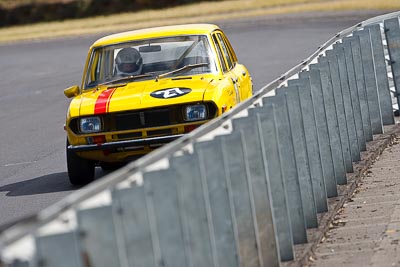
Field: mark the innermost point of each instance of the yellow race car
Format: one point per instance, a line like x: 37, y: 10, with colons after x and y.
x: 144, y: 88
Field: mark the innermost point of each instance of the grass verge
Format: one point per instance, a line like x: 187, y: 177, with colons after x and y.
x: 193, y: 13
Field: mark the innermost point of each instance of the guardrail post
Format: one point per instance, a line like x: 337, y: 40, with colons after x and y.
x: 49, y: 252
x: 340, y: 112
x: 134, y: 225
x: 346, y: 42
x: 163, y: 206
x: 348, y: 107
x: 381, y: 74
x: 276, y: 137
x: 332, y: 121
x: 362, y: 92
x: 219, y: 191
x: 313, y: 150
x: 196, y: 212
x: 370, y: 81
x: 97, y: 236
x: 392, y: 32
x: 258, y: 170
x: 310, y: 202
x: 240, y: 181
x: 322, y: 130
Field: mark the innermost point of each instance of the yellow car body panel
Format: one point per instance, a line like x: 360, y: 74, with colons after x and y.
x: 161, y: 99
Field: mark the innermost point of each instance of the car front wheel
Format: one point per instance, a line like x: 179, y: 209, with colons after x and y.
x: 80, y: 170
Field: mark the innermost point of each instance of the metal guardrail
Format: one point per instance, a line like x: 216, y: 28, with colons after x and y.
x: 240, y: 190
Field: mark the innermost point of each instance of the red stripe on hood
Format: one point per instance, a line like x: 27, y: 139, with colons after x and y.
x: 103, y: 101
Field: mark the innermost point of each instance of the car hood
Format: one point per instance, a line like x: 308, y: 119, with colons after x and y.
x: 141, y: 95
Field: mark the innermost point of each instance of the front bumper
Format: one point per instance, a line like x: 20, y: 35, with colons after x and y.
x: 125, y: 143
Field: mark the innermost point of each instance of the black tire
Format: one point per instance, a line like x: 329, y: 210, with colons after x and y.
x: 80, y: 170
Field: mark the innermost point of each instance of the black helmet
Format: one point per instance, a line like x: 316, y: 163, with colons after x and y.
x: 128, y: 62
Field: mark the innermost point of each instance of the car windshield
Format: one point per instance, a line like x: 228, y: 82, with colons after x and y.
x: 149, y: 59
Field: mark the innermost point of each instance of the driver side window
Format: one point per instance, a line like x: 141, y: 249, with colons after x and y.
x: 219, y: 52
x: 225, y: 51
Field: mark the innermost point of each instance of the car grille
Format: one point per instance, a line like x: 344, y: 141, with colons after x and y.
x: 127, y: 122
x: 143, y: 119
x: 129, y: 135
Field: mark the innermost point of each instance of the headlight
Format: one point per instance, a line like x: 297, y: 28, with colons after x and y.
x: 195, y: 112
x: 90, y: 125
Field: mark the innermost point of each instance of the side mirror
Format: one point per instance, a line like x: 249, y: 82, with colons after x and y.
x: 71, y: 91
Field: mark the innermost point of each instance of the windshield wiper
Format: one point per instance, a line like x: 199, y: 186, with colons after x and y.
x: 184, y: 68
x: 127, y: 78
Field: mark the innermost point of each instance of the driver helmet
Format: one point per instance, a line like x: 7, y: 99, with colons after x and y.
x: 128, y: 62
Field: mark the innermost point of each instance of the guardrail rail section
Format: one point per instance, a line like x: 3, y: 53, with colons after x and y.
x: 241, y: 190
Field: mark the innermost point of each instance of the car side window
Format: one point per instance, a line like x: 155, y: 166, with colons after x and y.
x: 92, y: 70
x: 230, y: 49
x: 219, y: 52
x: 99, y: 68
x: 225, y: 51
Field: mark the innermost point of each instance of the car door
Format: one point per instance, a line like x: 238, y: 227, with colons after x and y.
x: 241, y: 74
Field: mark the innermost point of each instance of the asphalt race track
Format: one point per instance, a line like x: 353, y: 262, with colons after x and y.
x: 33, y: 76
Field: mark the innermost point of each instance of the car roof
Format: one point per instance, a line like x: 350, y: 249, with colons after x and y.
x: 187, y: 29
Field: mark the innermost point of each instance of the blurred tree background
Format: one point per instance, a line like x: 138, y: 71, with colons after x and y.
x: 17, y: 12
